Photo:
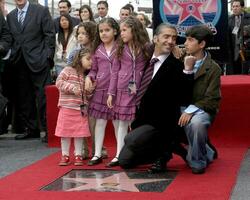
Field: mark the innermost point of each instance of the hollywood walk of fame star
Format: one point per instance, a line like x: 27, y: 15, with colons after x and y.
x: 116, y: 182
x: 190, y: 8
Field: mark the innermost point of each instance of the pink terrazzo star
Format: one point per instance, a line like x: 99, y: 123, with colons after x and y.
x: 115, y: 182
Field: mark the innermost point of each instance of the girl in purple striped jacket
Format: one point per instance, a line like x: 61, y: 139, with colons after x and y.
x: 104, y: 52
x: 127, y: 70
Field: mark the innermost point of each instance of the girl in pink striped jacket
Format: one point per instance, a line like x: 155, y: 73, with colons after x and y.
x: 72, y: 120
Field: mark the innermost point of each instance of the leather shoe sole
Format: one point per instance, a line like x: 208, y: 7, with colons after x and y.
x: 157, y: 168
x: 198, y: 171
x: 45, y: 139
x: 26, y: 136
x: 95, y: 162
x: 113, y: 164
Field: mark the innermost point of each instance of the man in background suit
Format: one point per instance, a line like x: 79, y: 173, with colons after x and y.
x: 64, y: 7
x: 102, y: 9
x: 156, y: 120
x: 236, y: 21
x: 31, y: 57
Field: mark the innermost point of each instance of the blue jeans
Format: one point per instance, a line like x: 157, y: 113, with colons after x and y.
x: 58, y: 69
x: 199, y: 153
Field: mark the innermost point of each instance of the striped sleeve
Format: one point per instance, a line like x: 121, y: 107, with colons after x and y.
x: 63, y: 82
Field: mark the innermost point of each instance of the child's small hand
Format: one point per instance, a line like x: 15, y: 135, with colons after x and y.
x: 77, y: 91
x: 109, y: 101
x: 92, y: 87
x: 88, y: 84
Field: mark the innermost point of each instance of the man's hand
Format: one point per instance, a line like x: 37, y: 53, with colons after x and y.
x: 189, y: 62
x: 2, y: 50
x: 184, y: 119
x: 178, y: 52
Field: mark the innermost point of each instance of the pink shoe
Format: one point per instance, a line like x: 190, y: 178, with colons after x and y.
x: 64, y: 161
x: 78, y: 160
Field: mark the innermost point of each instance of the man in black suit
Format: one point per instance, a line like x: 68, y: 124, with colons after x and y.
x: 154, y: 128
x: 236, y: 22
x: 64, y: 7
x: 31, y: 57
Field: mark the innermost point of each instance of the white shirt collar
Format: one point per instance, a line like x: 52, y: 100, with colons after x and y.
x: 25, y: 8
x: 161, y: 58
x: 158, y: 64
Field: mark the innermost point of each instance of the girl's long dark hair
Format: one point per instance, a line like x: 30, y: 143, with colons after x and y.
x: 90, y: 28
x: 91, y: 16
x: 61, y: 39
x: 140, y: 38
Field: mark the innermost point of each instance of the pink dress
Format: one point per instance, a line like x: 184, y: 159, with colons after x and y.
x: 70, y: 123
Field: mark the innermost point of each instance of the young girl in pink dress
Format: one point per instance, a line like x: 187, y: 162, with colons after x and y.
x: 72, y: 119
x: 104, y: 53
x: 127, y: 71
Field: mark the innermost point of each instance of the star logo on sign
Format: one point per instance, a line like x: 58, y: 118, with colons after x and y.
x: 116, y: 182
x: 190, y: 8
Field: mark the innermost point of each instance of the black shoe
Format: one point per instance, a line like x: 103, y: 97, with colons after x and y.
x: 113, y: 163
x: 198, y: 171
x: 45, y: 138
x: 28, y: 134
x: 158, y: 167
x: 95, y: 162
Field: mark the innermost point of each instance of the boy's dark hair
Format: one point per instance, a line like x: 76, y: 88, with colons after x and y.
x: 200, y: 33
x: 105, y: 3
x: 242, y: 3
x: 130, y: 6
x: 126, y: 8
x: 65, y: 1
